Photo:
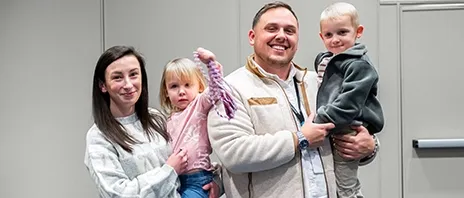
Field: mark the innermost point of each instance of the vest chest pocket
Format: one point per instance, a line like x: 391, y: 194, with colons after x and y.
x: 266, y: 115
x: 262, y: 101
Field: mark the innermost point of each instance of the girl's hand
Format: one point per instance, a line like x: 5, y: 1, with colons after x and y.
x: 205, y: 55
x: 178, y: 161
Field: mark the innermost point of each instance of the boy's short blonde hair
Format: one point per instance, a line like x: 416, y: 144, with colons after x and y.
x: 185, y: 70
x: 341, y: 9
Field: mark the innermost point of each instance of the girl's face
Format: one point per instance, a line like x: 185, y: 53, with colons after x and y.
x: 181, y: 92
x: 123, y: 83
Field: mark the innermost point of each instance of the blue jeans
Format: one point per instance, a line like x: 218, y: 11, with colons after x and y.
x: 191, y: 184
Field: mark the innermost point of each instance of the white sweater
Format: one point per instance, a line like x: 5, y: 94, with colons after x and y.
x: 142, y: 174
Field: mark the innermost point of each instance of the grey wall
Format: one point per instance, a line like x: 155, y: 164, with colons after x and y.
x: 417, y: 1
x: 47, y: 53
x: 48, y: 50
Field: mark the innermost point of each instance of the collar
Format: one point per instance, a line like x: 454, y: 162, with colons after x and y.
x: 275, y: 76
x: 299, y: 74
x: 296, y: 70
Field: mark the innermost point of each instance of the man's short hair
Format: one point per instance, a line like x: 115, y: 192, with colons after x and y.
x: 272, y: 5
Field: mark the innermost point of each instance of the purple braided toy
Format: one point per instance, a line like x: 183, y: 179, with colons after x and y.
x: 217, y: 87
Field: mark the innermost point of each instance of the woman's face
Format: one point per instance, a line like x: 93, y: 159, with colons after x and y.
x: 123, y: 83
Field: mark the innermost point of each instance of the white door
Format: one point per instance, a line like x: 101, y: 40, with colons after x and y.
x: 432, y: 99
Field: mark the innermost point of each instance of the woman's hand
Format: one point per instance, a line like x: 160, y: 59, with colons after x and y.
x: 178, y: 161
x: 355, y: 147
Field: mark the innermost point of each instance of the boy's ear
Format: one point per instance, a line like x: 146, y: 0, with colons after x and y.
x: 359, y: 31
x: 320, y: 35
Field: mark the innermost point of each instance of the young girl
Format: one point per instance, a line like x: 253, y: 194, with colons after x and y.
x: 184, y: 98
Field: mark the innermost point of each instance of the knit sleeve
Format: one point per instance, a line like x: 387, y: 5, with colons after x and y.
x: 204, y: 97
x: 105, y: 169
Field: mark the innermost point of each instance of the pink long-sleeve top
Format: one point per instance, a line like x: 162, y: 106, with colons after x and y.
x: 188, y: 132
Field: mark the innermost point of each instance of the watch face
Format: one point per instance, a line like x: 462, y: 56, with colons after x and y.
x: 304, y: 144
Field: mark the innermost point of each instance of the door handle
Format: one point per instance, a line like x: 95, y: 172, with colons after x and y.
x: 437, y: 143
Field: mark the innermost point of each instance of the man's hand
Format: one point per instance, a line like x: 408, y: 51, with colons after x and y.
x: 315, y: 133
x: 213, y: 189
x: 355, y: 147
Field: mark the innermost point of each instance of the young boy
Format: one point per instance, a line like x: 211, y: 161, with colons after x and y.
x: 347, y: 87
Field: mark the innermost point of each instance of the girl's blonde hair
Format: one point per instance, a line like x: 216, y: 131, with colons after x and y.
x: 341, y: 9
x: 183, y: 69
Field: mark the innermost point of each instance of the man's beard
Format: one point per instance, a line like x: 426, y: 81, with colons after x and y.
x: 281, y: 62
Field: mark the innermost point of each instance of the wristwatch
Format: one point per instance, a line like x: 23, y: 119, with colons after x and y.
x: 303, y: 143
x: 376, y: 147
x: 368, y: 159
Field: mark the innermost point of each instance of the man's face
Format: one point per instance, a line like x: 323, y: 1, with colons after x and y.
x: 275, y: 38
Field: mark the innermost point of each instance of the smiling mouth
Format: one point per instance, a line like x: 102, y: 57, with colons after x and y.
x: 278, y: 47
x: 128, y: 94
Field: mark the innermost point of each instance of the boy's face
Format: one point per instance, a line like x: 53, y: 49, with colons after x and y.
x: 339, y: 34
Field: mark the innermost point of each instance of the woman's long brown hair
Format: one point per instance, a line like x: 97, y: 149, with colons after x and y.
x: 104, y: 119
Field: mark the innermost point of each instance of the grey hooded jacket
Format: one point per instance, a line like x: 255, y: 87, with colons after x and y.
x: 348, y: 93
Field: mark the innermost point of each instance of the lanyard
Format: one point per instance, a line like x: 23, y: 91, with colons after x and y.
x: 298, y: 113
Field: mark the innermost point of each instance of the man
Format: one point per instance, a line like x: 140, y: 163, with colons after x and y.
x: 271, y: 148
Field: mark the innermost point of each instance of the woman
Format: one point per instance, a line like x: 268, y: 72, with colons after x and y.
x: 127, y: 153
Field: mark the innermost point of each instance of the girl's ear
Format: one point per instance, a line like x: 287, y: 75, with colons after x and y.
x: 202, y: 89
